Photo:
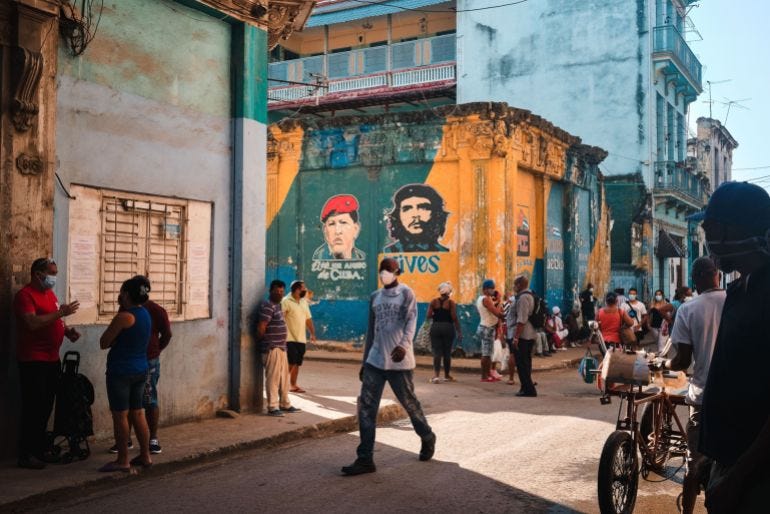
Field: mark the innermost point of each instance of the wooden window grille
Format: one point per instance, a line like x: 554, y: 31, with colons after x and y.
x: 143, y: 237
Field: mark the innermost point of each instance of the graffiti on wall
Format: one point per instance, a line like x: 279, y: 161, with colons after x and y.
x: 417, y: 220
x: 338, y: 258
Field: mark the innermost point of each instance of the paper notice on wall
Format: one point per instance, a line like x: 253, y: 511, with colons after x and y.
x: 199, y: 294
x: 198, y: 263
x: 83, y: 259
x: 84, y: 293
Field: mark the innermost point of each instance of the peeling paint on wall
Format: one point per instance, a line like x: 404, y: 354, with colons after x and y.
x: 500, y: 192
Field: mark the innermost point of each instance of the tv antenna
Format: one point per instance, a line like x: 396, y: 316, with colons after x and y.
x: 710, y: 83
x: 737, y: 103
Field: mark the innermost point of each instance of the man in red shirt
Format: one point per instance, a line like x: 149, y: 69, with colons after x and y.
x: 40, y: 332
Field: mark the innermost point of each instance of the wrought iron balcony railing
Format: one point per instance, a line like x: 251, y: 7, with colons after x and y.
x: 673, y: 176
x: 668, y: 42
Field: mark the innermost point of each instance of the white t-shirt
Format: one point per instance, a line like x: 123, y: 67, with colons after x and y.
x: 640, y: 309
x: 697, y: 324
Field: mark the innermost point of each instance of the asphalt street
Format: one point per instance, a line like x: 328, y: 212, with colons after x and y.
x: 495, y: 453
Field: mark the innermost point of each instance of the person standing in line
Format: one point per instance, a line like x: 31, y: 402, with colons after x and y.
x: 611, y: 319
x: 694, y: 336
x: 299, y: 321
x: 657, y: 307
x: 524, y: 335
x: 40, y: 331
x: 588, y: 304
x: 636, y: 309
x: 681, y: 296
x: 620, y: 293
x: 443, y: 331
x: 127, y: 337
x: 160, y: 337
x: 271, y: 336
x: 489, y: 316
x: 735, y: 428
x: 509, y: 314
x: 555, y: 327
x: 389, y: 357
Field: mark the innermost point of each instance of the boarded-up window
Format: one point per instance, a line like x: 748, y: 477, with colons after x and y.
x: 115, y: 235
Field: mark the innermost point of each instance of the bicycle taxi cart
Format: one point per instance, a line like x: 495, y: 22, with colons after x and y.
x: 656, y: 431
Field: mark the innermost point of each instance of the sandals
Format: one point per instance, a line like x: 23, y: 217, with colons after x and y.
x: 297, y: 390
x: 511, y: 382
x: 137, y: 461
x: 112, y: 467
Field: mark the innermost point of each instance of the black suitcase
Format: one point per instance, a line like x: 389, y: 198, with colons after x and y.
x: 73, y: 421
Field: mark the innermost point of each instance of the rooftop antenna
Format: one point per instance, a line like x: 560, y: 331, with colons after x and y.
x: 710, y: 83
x: 737, y: 103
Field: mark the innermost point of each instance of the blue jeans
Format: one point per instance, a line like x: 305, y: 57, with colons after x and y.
x: 369, y: 404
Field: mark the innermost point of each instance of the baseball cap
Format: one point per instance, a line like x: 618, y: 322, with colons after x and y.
x: 488, y: 284
x: 740, y: 204
x: 294, y: 283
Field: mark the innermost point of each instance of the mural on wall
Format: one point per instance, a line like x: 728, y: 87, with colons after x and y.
x: 417, y: 220
x: 338, y: 258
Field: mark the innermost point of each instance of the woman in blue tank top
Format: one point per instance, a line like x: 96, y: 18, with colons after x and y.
x: 127, y: 338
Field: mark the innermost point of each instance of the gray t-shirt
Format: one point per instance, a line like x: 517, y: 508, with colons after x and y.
x: 392, y: 322
x: 697, y: 324
x: 525, y: 306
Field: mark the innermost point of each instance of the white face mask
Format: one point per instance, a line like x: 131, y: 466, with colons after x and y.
x: 632, y: 297
x: 387, y: 277
x: 658, y: 298
x: 687, y: 299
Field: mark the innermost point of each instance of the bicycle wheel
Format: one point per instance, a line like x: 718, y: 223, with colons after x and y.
x: 618, y: 478
x: 659, y: 448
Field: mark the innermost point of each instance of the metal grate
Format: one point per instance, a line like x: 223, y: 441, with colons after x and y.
x: 142, y: 237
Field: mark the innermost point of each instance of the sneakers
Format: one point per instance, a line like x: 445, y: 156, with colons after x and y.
x: 155, y: 447
x: 428, y: 447
x: 434, y: 380
x: 114, y: 448
x: 359, y: 467
x: 488, y: 379
x: 292, y: 410
x: 276, y: 413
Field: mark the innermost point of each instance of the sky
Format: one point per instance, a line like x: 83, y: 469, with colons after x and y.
x: 736, y: 47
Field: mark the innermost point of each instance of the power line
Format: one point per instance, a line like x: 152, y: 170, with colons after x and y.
x: 754, y: 168
x: 508, y: 4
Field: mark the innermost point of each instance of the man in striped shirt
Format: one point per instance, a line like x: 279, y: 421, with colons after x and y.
x: 271, y: 338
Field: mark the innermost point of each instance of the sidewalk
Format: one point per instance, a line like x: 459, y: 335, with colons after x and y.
x: 345, y: 352
x: 328, y: 407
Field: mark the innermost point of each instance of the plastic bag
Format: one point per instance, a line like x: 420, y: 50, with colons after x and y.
x: 588, y: 364
x: 497, y: 351
x: 422, y: 339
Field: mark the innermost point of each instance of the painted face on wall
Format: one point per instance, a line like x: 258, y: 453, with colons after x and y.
x: 340, y: 232
x: 415, y: 213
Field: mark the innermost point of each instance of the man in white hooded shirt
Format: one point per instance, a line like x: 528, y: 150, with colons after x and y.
x: 389, y: 357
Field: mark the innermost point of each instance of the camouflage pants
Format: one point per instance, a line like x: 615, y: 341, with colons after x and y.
x: 369, y: 403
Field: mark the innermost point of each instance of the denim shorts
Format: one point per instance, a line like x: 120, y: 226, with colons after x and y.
x: 151, y: 384
x: 486, y: 336
x: 125, y: 392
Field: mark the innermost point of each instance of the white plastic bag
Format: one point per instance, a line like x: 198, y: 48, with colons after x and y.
x: 497, y: 351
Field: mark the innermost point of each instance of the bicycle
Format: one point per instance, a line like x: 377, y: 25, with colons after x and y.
x: 657, y: 432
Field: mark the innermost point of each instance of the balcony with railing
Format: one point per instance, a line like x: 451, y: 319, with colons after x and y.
x: 674, y: 178
x: 673, y: 54
x: 378, y: 71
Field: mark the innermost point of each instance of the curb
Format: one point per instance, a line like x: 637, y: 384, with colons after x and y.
x: 319, y: 430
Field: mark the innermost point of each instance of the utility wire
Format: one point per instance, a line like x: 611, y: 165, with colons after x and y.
x: 440, y: 10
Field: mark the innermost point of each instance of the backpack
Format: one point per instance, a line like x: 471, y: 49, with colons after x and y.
x: 539, y: 313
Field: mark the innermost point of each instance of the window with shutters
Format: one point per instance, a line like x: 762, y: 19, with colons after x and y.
x: 144, y: 237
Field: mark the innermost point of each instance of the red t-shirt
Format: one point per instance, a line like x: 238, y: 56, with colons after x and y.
x: 42, y: 344
x: 609, y: 324
x: 161, y: 329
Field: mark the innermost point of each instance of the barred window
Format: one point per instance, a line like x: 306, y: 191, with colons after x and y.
x: 142, y: 237
x: 115, y: 235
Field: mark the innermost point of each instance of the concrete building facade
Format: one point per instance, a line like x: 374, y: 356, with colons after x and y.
x: 509, y: 194
x: 143, y: 153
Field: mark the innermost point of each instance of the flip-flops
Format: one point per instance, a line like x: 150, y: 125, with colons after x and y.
x: 112, y: 467
x: 297, y: 390
x: 137, y: 461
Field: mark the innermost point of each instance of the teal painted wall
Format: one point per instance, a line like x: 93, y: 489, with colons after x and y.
x: 138, y: 49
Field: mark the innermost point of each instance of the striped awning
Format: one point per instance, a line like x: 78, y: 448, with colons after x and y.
x: 352, y: 10
x: 667, y: 247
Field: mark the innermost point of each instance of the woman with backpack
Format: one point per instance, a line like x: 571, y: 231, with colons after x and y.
x: 611, y: 320
x: 443, y: 331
